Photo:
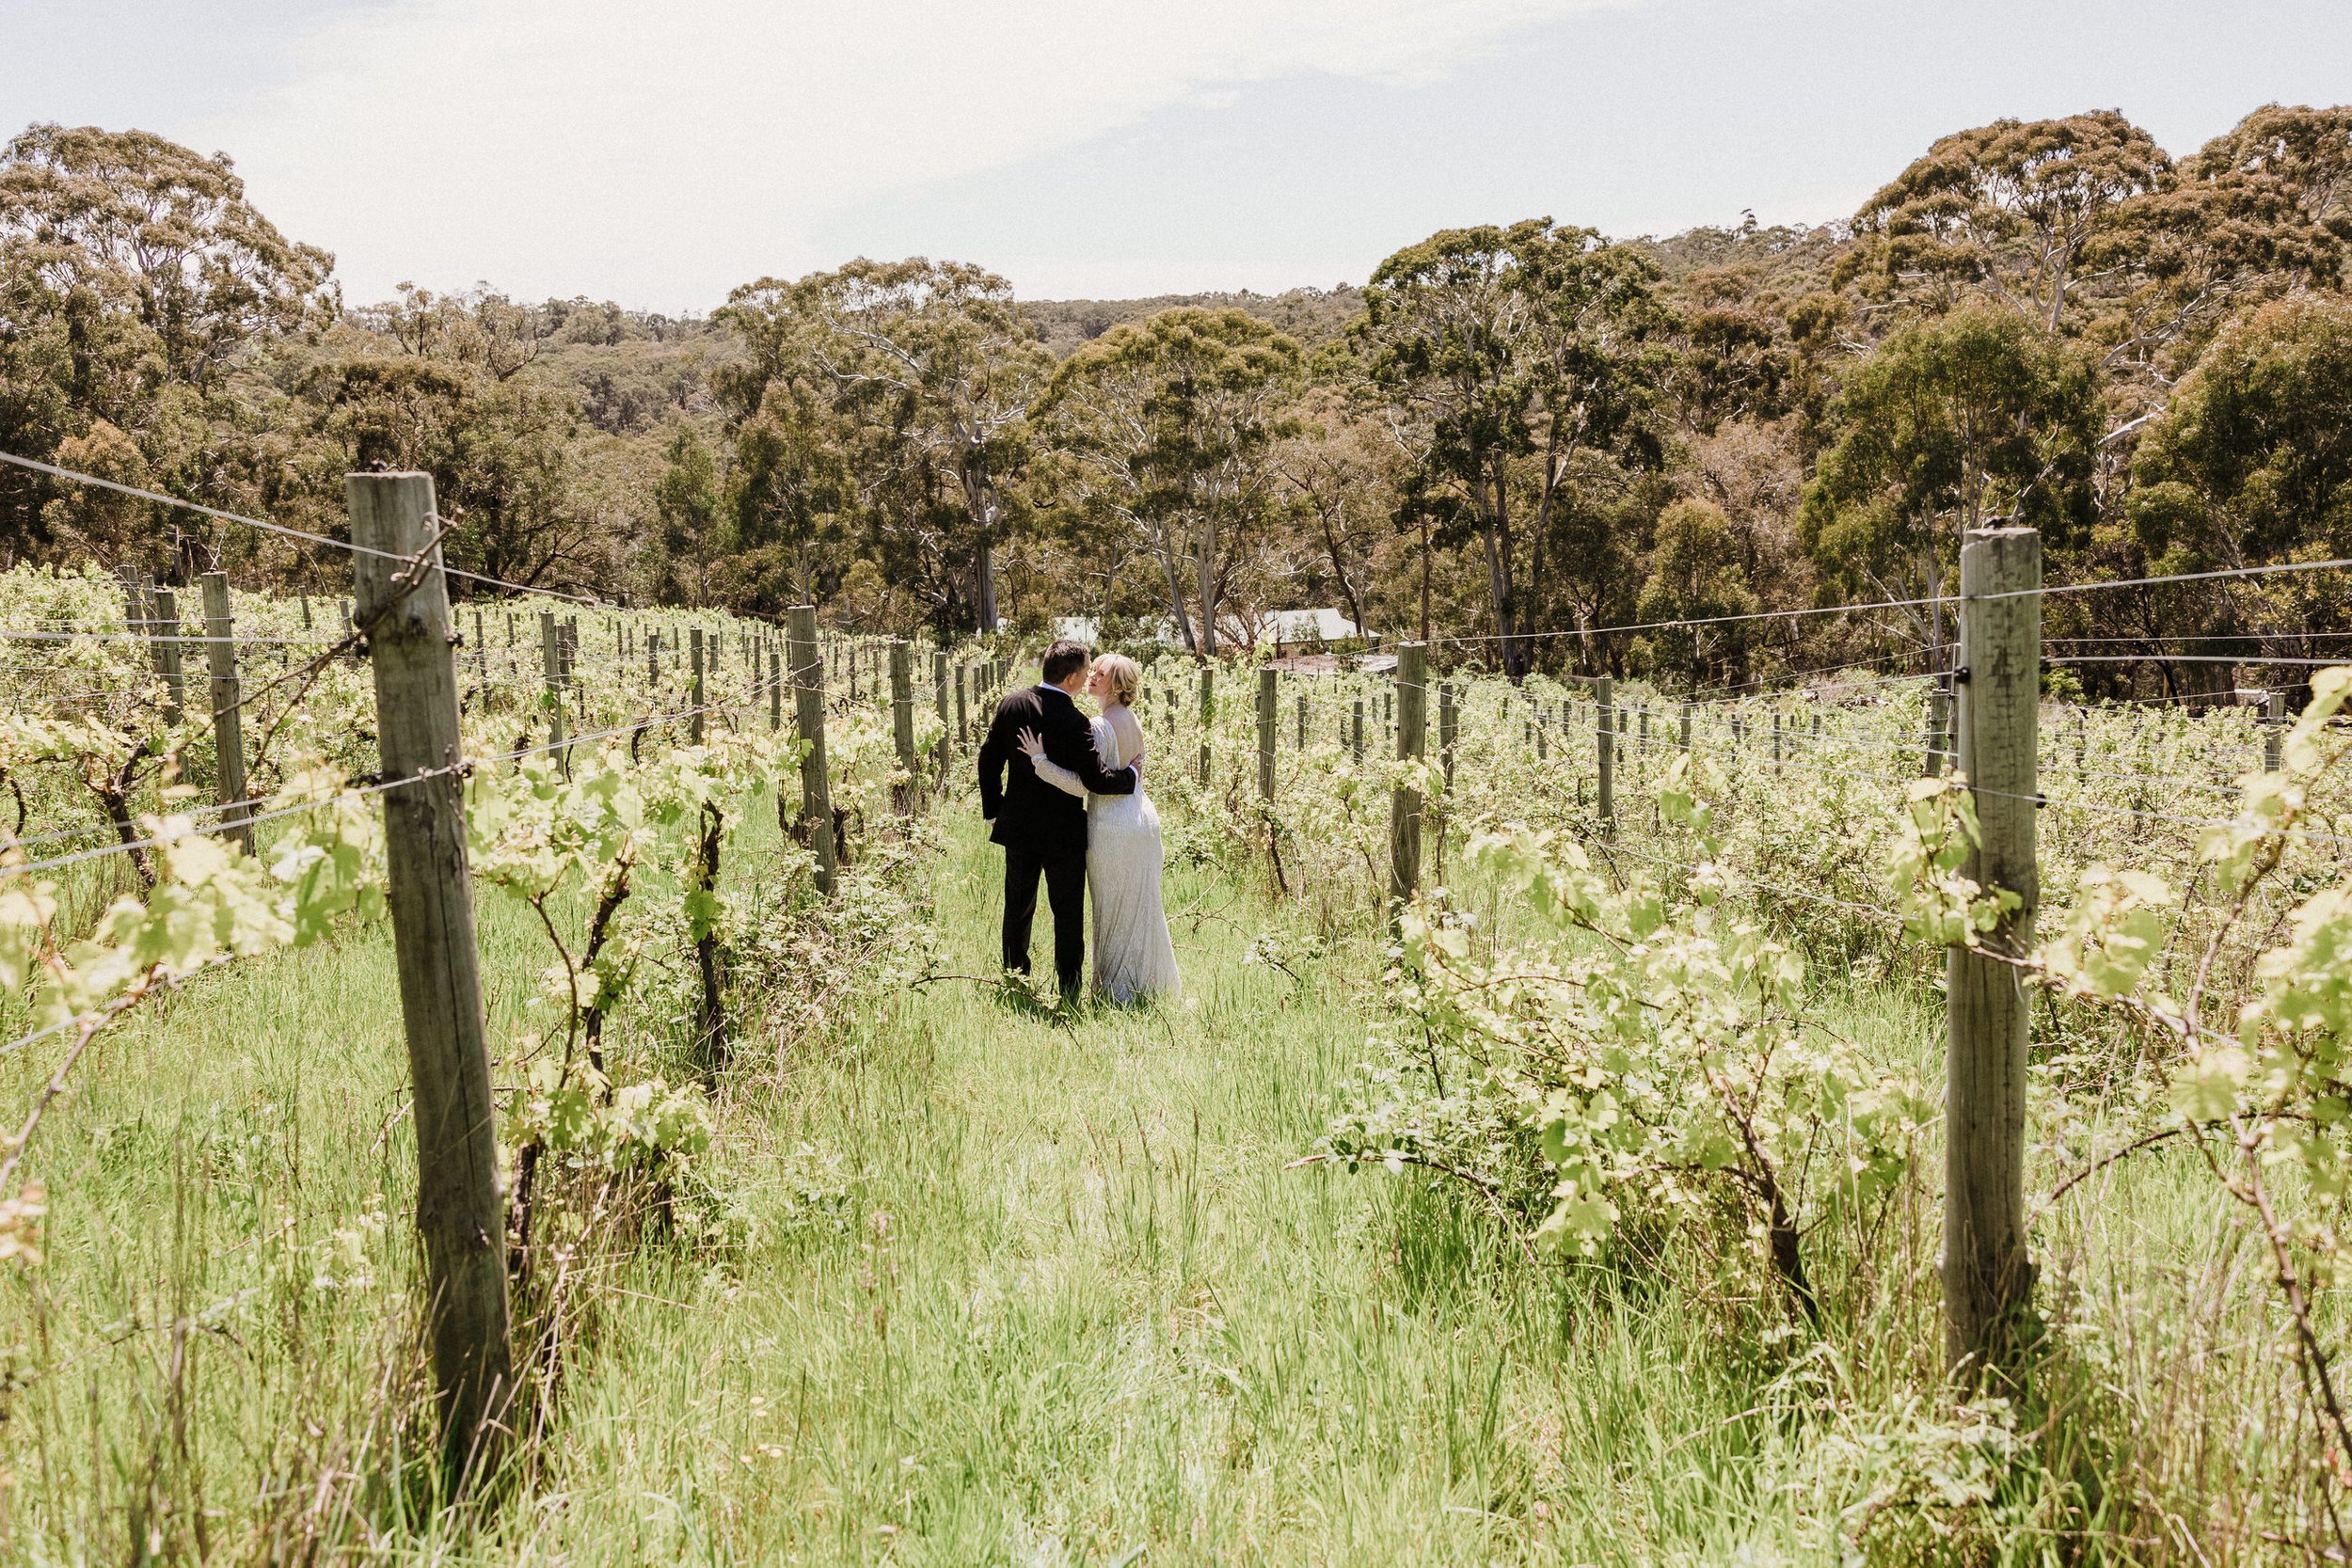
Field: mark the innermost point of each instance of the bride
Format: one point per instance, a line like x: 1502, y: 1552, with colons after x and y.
x: 1133, y: 957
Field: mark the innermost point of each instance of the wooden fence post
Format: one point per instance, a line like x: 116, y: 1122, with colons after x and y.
x: 963, y: 711
x: 1356, y: 730
x: 2274, y: 718
x: 1449, y: 728
x: 1686, y: 728
x: 220, y: 655
x: 461, y: 1214
x: 1411, y: 694
x: 1269, y: 699
x: 566, y: 655
x: 1605, y: 745
x: 808, y: 697
x: 164, y: 626
x: 482, y: 656
x: 1208, y: 714
x: 775, y: 691
x: 1301, y: 702
x: 1987, y: 1280
x: 694, y: 687
x: 903, y: 717
x: 945, y: 748
x: 551, y: 674
x: 133, y: 604
x: 1939, y: 727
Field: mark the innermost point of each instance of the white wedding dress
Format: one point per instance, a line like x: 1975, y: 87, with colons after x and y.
x: 1133, y: 956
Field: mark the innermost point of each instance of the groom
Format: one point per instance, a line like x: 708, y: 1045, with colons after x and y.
x: 1042, y: 829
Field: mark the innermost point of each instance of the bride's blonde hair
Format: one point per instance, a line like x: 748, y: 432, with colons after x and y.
x: 1121, y: 678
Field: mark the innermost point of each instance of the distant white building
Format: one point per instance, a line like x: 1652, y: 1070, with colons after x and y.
x: 1306, y: 626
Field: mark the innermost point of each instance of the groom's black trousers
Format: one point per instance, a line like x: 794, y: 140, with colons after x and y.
x: 1065, y: 874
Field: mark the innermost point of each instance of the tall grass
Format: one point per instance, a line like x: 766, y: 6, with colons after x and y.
x: 1011, y: 1287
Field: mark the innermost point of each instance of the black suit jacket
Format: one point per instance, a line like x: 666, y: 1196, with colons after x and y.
x: 1025, y: 811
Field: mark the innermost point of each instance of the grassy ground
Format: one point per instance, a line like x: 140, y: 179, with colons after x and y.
x: 1022, y: 1288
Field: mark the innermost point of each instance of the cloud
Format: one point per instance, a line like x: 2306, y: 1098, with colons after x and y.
x: 663, y: 152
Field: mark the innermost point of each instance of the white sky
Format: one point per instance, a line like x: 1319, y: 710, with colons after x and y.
x: 660, y: 153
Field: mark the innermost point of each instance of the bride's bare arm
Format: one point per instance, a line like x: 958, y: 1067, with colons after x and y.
x: 1033, y: 746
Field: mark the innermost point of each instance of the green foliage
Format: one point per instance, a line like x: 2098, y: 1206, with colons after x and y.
x: 2252, y: 461
x: 1647, y: 1072
x: 1977, y: 420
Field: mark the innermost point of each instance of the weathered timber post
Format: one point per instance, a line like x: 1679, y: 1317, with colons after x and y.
x: 1356, y: 730
x: 1605, y: 747
x: 1208, y: 714
x: 164, y: 624
x: 1449, y: 728
x: 1411, y: 694
x: 1685, y: 741
x: 1269, y: 707
x: 808, y: 699
x: 1939, y: 729
x: 2274, y: 718
x: 652, y: 658
x: 944, y: 749
x: 220, y: 655
x: 775, y: 691
x: 1775, y: 740
x: 461, y: 1215
x: 566, y: 655
x: 903, y: 717
x: 1987, y: 1280
x: 695, y: 686
x: 482, y: 656
x: 551, y: 676
x: 1300, y: 700
x: 963, y: 711
x: 305, y: 609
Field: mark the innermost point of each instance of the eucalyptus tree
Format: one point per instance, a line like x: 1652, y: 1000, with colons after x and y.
x: 1696, y: 576
x: 2251, y: 461
x: 1976, y: 419
x: 2085, y: 227
x: 135, y: 274
x: 1339, y: 470
x: 935, y: 353
x: 2007, y: 211
x: 1520, y: 351
x: 1171, y: 424
x: 145, y: 223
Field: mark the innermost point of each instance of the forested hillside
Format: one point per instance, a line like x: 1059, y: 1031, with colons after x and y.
x: 1514, y: 433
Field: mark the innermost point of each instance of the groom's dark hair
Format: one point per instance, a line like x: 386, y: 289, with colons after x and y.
x: 1063, y: 660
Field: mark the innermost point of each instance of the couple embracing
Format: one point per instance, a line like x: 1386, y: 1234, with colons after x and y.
x: 1065, y: 798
